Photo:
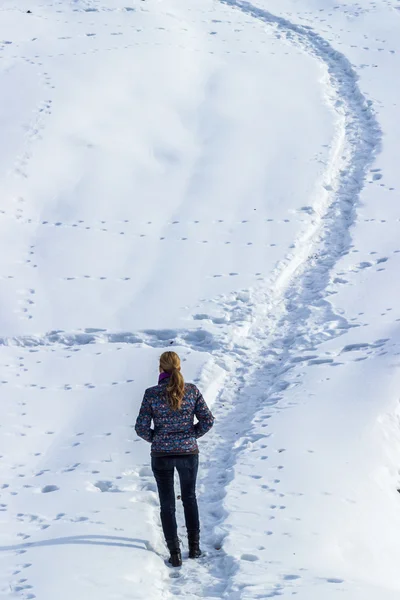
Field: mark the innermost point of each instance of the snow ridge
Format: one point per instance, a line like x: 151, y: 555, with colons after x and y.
x: 289, y: 317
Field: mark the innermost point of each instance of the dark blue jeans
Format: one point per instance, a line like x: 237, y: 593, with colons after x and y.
x: 163, y: 469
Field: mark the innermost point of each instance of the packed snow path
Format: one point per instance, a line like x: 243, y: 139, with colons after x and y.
x: 158, y: 201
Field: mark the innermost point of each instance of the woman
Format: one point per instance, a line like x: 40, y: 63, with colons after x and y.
x: 172, y: 406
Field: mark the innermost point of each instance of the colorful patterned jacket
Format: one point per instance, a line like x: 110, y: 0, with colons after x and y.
x: 174, y: 430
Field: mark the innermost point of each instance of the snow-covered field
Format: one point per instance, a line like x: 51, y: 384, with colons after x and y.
x: 221, y: 178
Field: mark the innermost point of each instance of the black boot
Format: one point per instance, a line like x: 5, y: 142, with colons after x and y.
x: 194, y: 546
x: 176, y: 558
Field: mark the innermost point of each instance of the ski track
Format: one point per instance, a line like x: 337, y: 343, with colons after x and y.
x: 298, y: 287
x: 283, y: 307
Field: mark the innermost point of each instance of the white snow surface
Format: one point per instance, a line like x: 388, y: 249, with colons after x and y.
x: 220, y: 178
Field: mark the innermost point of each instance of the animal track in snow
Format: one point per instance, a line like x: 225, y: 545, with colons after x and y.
x: 34, y: 131
x: 95, y: 278
x: 67, y: 386
x: 115, y: 225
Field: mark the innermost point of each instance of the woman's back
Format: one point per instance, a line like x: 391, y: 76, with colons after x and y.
x: 174, y: 430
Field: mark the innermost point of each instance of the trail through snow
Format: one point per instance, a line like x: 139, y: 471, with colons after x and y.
x: 283, y: 326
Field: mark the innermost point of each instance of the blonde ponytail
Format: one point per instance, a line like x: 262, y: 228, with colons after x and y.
x: 170, y: 363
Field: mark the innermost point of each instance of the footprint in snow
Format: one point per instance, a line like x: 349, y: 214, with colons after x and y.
x: 333, y: 580
x: 174, y: 574
x: 106, y: 486
x: 49, y: 488
x: 249, y: 557
x: 71, y: 468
